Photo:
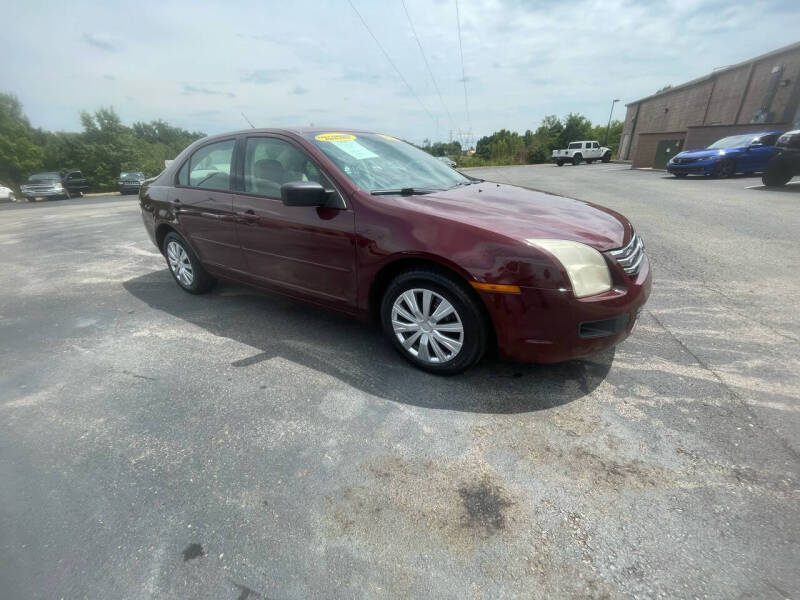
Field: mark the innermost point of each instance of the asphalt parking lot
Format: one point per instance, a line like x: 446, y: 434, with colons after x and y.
x: 155, y: 444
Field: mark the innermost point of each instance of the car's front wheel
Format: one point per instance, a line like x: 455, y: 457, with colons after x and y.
x: 680, y: 175
x: 607, y: 157
x: 726, y: 168
x: 776, y: 175
x: 434, y: 321
x: 184, y: 266
x: 560, y: 163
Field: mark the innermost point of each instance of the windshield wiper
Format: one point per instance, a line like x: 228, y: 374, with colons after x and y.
x: 408, y: 191
x: 468, y: 182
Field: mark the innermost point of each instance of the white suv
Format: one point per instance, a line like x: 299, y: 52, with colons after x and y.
x: 579, y: 151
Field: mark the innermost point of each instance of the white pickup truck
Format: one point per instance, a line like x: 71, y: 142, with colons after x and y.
x: 580, y: 151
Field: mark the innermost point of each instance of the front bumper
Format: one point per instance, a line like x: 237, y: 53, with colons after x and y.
x: 699, y: 168
x: 549, y: 326
x: 44, y: 193
x: 129, y: 187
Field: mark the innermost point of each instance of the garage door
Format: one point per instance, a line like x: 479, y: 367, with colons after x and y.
x: 665, y: 150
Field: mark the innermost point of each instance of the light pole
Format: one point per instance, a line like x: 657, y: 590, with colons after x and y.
x: 608, y: 127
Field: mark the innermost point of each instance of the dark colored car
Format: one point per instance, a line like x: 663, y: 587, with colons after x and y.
x: 786, y: 162
x: 130, y: 182
x: 55, y: 184
x: 745, y: 153
x: 372, y: 226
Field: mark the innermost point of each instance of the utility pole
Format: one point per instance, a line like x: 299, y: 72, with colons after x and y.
x: 608, y: 127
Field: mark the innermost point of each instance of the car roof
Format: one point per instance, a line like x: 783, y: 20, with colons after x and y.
x: 290, y: 131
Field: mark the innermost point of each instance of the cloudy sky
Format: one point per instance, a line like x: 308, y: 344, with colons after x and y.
x: 201, y: 64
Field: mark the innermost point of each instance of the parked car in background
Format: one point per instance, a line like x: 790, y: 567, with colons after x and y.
x: 448, y: 161
x: 576, y: 152
x: 743, y: 153
x: 374, y: 227
x: 786, y: 162
x: 7, y: 194
x: 130, y: 181
x: 55, y: 184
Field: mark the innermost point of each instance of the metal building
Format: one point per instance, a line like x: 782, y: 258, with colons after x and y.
x: 759, y: 94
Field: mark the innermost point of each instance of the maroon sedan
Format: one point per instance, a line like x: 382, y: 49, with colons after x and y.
x: 369, y: 225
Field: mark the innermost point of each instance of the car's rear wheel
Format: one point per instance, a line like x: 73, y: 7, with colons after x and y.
x: 576, y: 160
x: 434, y: 321
x: 726, y: 168
x: 560, y: 163
x: 184, y: 266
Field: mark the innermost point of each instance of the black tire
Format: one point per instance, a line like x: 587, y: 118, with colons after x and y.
x: 606, y: 157
x: 725, y: 168
x: 680, y: 175
x: 201, y: 281
x: 776, y: 175
x: 576, y: 159
x: 468, y: 311
x: 560, y: 163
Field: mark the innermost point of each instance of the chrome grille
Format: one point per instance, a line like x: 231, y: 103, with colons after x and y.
x: 630, y: 257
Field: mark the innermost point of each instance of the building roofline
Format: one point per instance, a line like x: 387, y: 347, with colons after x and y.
x: 713, y: 74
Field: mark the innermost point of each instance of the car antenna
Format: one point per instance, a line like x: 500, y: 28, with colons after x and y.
x: 248, y: 121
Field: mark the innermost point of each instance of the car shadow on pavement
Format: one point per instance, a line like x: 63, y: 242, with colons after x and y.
x: 357, y: 353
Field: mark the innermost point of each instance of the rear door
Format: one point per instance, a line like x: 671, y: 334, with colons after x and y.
x: 203, y: 203
x: 303, y: 250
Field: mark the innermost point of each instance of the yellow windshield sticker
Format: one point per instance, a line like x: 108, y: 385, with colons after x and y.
x: 335, y: 137
x: 388, y: 137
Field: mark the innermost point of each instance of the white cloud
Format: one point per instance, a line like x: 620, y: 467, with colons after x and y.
x: 201, y: 65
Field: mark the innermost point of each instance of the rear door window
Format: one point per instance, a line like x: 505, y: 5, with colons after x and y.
x: 210, y: 166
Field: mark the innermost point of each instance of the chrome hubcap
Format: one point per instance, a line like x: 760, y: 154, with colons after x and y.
x: 427, y: 325
x: 179, y: 263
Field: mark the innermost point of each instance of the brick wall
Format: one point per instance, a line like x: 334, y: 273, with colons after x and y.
x: 727, y: 98
x: 648, y: 143
x: 702, y: 136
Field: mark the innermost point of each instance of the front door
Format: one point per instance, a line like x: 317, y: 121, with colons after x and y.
x: 303, y: 250
x: 203, y: 203
x: 756, y: 158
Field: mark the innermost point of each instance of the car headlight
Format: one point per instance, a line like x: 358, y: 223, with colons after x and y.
x: 58, y: 186
x: 587, y: 269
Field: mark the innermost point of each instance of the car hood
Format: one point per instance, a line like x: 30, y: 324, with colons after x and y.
x: 523, y: 214
x: 706, y: 153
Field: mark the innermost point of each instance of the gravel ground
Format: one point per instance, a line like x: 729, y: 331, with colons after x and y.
x: 237, y: 445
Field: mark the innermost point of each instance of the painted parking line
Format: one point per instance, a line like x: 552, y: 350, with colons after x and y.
x: 761, y: 187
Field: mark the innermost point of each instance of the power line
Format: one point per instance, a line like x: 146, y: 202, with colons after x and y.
x: 391, y: 62
x: 463, y: 76
x: 425, y: 58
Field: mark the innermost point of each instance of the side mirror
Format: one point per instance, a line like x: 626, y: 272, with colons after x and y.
x: 303, y: 193
x: 756, y: 145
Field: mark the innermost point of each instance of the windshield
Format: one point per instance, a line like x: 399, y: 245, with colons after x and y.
x: 45, y: 177
x: 132, y: 175
x: 734, y: 141
x: 380, y: 162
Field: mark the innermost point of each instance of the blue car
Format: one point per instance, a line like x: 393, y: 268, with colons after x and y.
x: 745, y: 153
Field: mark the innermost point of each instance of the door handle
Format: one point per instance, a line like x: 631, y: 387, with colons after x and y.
x: 248, y: 216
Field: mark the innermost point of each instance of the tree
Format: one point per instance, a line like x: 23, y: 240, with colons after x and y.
x: 576, y: 127
x: 19, y: 152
